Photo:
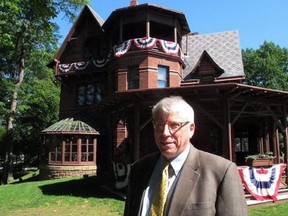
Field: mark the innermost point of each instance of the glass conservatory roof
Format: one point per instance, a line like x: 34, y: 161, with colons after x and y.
x: 70, y: 126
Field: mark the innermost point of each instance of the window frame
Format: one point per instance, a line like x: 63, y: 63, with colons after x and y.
x: 162, y: 82
x: 91, y: 94
x: 133, y: 78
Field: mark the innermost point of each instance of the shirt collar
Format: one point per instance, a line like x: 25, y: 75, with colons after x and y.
x: 178, y: 162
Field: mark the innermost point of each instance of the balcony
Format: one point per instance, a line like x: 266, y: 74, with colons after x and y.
x: 158, y: 45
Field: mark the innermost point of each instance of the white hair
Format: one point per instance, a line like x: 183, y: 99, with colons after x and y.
x: 174, y: 104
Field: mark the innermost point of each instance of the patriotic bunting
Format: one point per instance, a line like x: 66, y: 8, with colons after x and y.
x: 262, y: 183
x: 101, y: 63
x: 122, y: 48
x: 143, y: 43
x: 169, y: 47
x: 65, y: 67
x: 81, y: 65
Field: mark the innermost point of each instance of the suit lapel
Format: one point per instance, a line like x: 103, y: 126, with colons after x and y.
x: 143, y: 175
x: 185, y: 184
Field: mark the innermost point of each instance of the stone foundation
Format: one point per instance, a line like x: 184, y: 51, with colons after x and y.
x: 56, y: 172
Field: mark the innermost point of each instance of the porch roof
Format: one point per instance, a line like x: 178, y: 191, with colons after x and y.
x: 234, y: 91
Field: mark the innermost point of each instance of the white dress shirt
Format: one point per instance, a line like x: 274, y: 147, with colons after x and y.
x: 174, y: 170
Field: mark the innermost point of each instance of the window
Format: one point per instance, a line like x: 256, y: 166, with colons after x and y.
x: 73, y: 150
x: 89, y: 94
x: 87, y: 150
x: 71, y: 153
x: 133, y: 77
x: 241, y: 142
x: 55, y: 154
x: 163, y: 76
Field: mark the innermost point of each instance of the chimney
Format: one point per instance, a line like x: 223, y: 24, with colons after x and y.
x: 133, y: 3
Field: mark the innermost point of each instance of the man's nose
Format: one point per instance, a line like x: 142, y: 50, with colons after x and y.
x: 166, y: 130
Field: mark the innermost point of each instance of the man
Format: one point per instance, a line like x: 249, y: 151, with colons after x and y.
x: 199, y: 183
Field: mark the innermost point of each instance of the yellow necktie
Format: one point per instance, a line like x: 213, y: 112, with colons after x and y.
x: 159, y: 199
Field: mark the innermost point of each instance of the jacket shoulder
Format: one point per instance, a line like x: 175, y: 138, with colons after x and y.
x: 146, y: 160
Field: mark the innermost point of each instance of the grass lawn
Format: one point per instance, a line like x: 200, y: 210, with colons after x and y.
x: 79, y: 196
x: 70, y: 196
x: 277, y: 209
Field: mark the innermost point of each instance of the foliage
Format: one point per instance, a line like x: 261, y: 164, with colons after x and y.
x: 267, y: 66
x: 29, y: 96
x: 38, y: 107
x: 267, y: 155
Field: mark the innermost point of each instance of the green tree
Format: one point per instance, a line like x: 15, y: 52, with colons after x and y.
x: 267, y: 66
x: 26, y: 28
x: 39, y: 106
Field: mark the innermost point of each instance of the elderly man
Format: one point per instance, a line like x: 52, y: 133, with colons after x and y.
x: 180, y: 179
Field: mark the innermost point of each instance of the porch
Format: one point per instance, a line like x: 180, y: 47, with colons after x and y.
x: 281, y: 197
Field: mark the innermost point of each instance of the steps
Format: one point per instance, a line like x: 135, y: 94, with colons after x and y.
x: 282, y: 196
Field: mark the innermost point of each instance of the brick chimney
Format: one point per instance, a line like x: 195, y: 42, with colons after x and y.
x: 133, y: 3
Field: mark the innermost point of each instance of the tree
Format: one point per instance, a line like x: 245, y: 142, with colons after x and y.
x: 267, y: 66
x: 26, y: 26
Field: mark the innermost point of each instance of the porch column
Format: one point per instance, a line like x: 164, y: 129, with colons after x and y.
x: 285, y: 136
x: 63, y: 152
x: 260, y: 142
x: 266, y: 139
x: 147, y: 28
x: 136, y: 134
x: 175, y: 31
x: 276, y: 146
x: 79, y: 152
x: 227, y: 133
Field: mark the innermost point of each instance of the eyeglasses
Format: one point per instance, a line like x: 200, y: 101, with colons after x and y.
x: 172, y: 126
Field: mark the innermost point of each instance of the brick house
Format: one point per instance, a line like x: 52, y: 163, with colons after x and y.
x: 113, y: 71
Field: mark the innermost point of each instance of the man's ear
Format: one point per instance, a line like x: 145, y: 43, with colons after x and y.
x: 192, y: 129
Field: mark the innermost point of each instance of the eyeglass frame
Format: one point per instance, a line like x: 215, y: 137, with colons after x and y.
x: 168, y: 123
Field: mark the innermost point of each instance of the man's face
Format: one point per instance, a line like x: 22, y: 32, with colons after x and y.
x: 172, y: 133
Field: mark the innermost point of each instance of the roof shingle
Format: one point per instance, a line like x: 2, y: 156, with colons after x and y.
x: 223, y: 47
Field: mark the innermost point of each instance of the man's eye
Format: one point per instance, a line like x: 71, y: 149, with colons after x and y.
x: 159, y: 126
x: 174, y: 125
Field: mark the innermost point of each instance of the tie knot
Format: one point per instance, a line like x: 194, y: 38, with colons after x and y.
x: 165, y: 164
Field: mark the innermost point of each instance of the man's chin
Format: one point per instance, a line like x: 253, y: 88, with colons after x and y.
x: 168, y: 153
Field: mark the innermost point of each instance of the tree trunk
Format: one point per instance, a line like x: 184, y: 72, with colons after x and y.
x: 7, y: 166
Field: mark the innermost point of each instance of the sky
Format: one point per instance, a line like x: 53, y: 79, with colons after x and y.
x: 255, y: 20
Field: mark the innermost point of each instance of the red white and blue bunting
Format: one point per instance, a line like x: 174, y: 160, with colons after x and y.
x: 169, y: 47
x: 65, y: 67
x: 122, y: 48
x: 80, y: 65
x: 145, y: 43
x: 262, y: 183
x: 99, y: 63
x: 121, y: 173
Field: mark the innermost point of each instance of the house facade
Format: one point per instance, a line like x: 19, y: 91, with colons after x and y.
x: 112, y: 72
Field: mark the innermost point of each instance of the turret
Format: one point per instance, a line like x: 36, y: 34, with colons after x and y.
x: 146, y: 41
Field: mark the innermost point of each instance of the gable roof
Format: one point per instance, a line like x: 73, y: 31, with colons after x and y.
x: 204, y: 56
x: 222, y: 47
x: 86, y: 10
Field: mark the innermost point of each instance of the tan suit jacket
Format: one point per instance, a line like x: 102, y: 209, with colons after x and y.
x: 207, y: 185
